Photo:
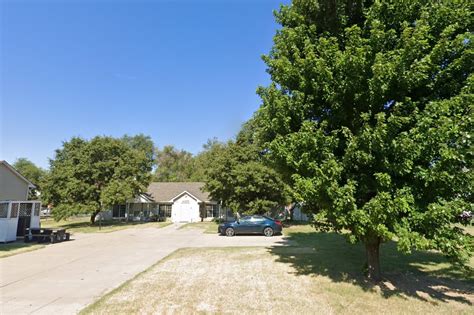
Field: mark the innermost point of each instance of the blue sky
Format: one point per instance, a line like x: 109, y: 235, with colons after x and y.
x: 179, y: 71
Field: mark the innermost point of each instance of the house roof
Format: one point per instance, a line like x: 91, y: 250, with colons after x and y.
x: 186, y: 193
x: 166, y: 192
x: 14, y: 171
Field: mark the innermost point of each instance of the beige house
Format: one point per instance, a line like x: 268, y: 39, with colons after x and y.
x: 177, y: 201
x: 13, y: 186
x: 17, y: 213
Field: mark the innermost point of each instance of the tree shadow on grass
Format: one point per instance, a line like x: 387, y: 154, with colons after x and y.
x: 423, y: 275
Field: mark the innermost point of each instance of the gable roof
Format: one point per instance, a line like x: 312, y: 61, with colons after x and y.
x: 186, y: 193
x: 14, y: 171
x: 165, y: 192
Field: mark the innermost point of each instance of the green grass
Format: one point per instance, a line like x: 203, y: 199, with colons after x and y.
x: 10, y: 249
x: 209, y: 227
x: 329, y: 254
x: 83, y: 225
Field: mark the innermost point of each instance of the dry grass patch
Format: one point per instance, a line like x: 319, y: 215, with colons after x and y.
x: 10, y: 249
x: 208, y: 227
x: 258, y: 280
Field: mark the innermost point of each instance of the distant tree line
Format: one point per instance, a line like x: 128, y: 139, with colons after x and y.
x: 87, y: 176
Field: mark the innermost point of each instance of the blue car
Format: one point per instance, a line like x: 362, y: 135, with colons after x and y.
x: 253, y: 224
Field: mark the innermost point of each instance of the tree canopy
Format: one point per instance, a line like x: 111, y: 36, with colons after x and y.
x: 206, y: 159
x: 369, y: 115
x: 87, y: 176
x: 240, y: 178
x: 173, y: 165
x: 31, y: 172
x: 144, y: 144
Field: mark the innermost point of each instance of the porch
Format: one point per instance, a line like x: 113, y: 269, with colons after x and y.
x: 16, y: 217
x: 159, y: 211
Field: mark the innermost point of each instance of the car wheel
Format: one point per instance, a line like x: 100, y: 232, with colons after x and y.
x: 229, y: 232
x: 268, y: 231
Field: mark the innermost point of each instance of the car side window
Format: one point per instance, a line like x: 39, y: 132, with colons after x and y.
x: 258, y: 219
x: 244, y: 220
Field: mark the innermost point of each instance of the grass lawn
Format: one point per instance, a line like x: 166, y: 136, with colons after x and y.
x: 83, y: 225
x: 209, y: 227
x: 320, y: 273
x: 10, y: 249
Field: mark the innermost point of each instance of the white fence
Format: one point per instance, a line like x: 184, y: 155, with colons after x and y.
x: 12, y: 213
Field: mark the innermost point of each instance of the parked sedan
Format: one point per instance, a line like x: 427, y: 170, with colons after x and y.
x: 254, y: 224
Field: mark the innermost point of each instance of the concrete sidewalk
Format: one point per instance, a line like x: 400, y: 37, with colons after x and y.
x: 63, y: 278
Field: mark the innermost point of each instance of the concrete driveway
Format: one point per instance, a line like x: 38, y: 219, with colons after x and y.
x: 63, y: 278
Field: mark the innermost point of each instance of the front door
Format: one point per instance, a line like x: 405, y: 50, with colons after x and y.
x: 182, y: 212
x: 23, y: 224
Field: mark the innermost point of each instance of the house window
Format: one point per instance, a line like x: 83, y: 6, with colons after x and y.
x: 135, y: 209
x: 118, y: 211
x: 212, y: 211
x: 14, y: 212
x: 165, y: 211
x: 3, y: 210
x: 154, y: 209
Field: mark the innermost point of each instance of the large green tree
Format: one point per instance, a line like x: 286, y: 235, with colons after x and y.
x: 31, y: 172
x: 144, y: 144
x: 239, y: 177
x: 206, y: 159
x: 87, y: 176
x: 370, y: 114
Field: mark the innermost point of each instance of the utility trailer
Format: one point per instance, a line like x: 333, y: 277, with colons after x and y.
x: 46, y: 235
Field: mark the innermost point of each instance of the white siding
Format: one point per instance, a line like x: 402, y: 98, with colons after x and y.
x: 185, y: 209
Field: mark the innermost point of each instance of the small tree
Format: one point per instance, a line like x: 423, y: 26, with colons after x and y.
x: 370, y: 116
x: 89, y: 176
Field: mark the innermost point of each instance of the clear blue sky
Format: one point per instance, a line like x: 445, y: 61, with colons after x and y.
x: 179, y: 71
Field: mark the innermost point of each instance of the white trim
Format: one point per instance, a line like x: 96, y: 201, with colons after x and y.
x: 187, y: 193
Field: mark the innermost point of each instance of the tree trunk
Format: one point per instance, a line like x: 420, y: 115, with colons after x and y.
x: 94, y: 215
x: 373, y: 260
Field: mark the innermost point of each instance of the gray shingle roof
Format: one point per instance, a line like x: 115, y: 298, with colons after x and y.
x: 164, y: 192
